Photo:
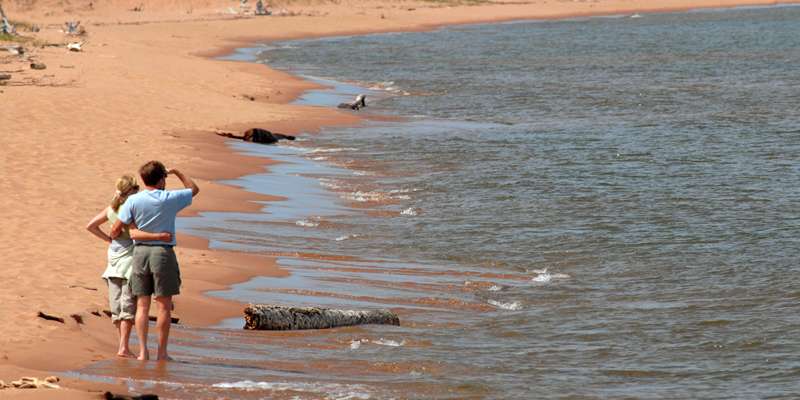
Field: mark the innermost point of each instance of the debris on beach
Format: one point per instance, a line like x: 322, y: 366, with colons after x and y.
x: 13, y: 49
x: 4, y: 77
x: 357, y: 104
x: 74, y: 28
x: 112, y: 396
x: 283, y: 318
x: 260, y: 9
x: 257, y: 135
x: 50, y: 317
x: 75, y: 46
x: 32, y: 383
x: 38, y: 66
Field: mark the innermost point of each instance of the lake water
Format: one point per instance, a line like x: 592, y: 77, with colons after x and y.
x: 594, y: 208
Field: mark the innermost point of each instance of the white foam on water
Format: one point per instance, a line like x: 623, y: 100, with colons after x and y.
x: 362, y: 173
x: 345, y: 237
x: 410, y: 211
x: 319, y: 158
x: 390, y: 343
x: 506, y: 306
x: 330, y: 150
x: 356, y: 344
x: 543, y: 278
x: 495, y: 288
x: 330, y: 183
x: 307, y: 224
x: 363, y: 197
x: 331, y: 391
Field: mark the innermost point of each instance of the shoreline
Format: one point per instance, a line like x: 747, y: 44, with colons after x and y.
x: 211, y: 269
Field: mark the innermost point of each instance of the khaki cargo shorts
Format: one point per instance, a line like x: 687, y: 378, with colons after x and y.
x: 121, y: 300
x: 155, y: 271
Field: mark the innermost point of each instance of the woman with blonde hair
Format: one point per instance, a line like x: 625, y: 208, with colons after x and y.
x: 120, y: 257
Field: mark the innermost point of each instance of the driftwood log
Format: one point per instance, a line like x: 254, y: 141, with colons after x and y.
x: 257, y: 135
x: 358, y: 103
x: 281, y: 318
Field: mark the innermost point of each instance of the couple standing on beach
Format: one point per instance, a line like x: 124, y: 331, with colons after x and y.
x: 141, y: 259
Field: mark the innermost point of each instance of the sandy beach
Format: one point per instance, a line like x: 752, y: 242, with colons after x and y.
x: 147, y: 86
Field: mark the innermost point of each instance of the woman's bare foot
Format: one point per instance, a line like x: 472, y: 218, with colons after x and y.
x: 165, y: 358
x: 143, y: 356
x: 126, y: 354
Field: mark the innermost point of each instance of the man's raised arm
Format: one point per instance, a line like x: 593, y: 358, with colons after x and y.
x: 187, y: 182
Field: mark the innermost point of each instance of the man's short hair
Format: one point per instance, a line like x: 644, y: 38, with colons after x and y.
x: 152, y: 172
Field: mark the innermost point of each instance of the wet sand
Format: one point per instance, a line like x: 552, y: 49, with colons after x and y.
x: 147, y: 86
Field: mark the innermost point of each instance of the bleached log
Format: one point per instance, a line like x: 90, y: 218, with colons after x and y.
x: 282, y: 318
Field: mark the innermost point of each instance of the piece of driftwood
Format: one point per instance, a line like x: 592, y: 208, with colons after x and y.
x: 257, y: 135
x: 174, y: 320
x: 38, y: 66
x: 50, y: 317
x: 32, y: 383
x: 112, y: 396
x: 74, y: 46
x: 5, y: 77
x: 282, y: 318
x: 359, y: 103
x: 13, y: 49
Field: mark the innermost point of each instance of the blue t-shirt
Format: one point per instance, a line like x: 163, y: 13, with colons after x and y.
x: 155, y: 211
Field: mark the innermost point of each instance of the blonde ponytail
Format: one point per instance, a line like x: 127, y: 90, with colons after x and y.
x: 126, y: 186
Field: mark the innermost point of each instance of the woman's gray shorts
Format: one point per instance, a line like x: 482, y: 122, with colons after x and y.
x: 121, y: 300
x: 155, y: 271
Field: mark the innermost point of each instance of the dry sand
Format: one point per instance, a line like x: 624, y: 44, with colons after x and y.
x: 146, y: 88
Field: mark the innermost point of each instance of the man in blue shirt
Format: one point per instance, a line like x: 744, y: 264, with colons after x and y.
x: 155, y: 267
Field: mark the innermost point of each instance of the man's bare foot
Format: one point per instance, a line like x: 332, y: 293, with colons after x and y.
x: 126, y: 354
x: 165, y: 358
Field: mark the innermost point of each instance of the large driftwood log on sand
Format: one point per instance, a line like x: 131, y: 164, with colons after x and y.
x: 281, y: 318
x: 257, y: 135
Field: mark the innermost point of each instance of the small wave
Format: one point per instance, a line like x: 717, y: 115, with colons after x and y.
x: 395, y: 191
x: 363, y: 197
x: 319, y: 158
x: 330, y: 390
x: 542, y: 278
x: 330, y: 150
x: 346, y: 237
x: 410, y: 211
x: 390, y: 343
x: 356, y: 344
x: 307, y: 224
x: 330, y: 183
x: 363, y: 173
x: 506, y: 306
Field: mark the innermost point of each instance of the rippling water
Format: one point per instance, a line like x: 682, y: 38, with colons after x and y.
x: 598, y: 208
